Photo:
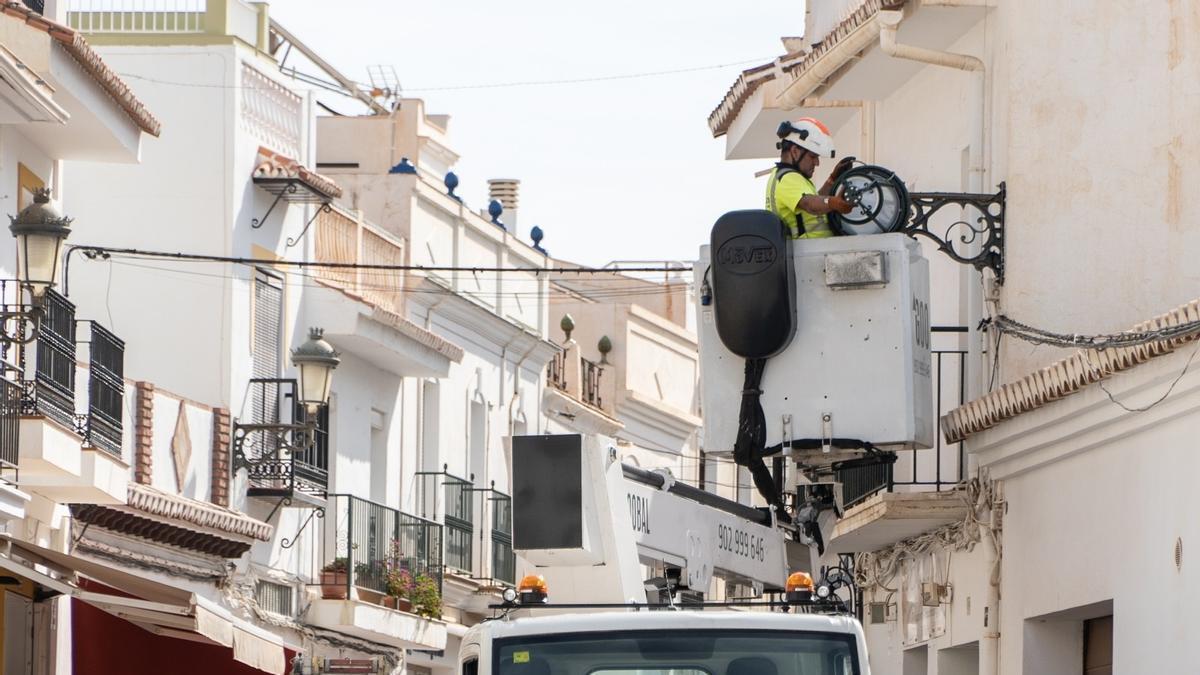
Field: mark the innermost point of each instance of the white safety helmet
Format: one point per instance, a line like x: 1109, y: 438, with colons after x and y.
x: 809, y: 134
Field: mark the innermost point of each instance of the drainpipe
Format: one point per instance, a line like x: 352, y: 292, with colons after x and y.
x: 889, y: 22
x: 846, y: 49
x: 517, y: 381
x: 989, y: 641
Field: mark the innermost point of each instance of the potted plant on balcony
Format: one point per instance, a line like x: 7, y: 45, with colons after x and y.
x: 399, y: 584
x: 334, y: 580
x: 425, y: 596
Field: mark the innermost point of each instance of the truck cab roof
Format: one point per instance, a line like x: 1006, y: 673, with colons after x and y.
x: 647, y: 620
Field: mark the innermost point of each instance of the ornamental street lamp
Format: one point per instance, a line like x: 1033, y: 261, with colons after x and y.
x: 315, y: 359
x: 282, y: 451
x: 40, y: 230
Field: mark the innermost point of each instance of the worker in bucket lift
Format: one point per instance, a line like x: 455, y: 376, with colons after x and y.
x: 790, y: 191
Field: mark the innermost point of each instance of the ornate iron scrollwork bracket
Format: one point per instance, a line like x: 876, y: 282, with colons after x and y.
x: 282, y: 440
x: 325, y: 208
x: 980, y: 245
x: 289, y: 189
x: 318, y: 511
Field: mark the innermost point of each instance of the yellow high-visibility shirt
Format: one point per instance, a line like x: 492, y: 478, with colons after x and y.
x: 782, y: 197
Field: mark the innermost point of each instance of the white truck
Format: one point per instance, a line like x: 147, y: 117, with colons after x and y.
x: 844, y: 324
x: 592, y: 526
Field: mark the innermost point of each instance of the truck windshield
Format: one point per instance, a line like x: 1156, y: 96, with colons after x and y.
x: 692, y: 652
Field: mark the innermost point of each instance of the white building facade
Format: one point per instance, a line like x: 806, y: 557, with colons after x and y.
x: 1072, y: 465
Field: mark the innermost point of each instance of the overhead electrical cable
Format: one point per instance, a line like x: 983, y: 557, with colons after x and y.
x: 205, y: 257
x: 338, y: 89
x: 322, y: 282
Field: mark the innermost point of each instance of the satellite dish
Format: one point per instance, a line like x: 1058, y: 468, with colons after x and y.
x: 880, y: 201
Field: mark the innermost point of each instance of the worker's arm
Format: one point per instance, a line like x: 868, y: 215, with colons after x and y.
x: 819, y: 206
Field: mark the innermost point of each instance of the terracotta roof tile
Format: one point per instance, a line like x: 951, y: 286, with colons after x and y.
x: 750, y: 80
x: 271, y: 164
x: 90, y: 60
x: 1064, y: 377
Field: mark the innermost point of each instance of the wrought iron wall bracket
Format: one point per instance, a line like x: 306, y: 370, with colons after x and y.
x: 325, y: 208
x: 980, y: 245
x: 318, y: 511
x: 290, y: 189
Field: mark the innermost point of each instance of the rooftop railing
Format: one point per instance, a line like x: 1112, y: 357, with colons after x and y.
x: 137, y: 16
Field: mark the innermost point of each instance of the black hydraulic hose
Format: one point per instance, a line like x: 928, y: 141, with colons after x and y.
x: 749, y: 448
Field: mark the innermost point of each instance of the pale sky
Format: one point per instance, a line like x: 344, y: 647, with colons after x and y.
x: 620, y: 169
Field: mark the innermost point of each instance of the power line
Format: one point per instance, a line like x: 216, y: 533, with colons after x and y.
x: 322, y: 282
x: 1042, y: 336
x: 204, y: 257
x: 315, y: 81
x: 583, y: 80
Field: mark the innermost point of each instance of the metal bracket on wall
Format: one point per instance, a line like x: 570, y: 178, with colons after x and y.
x: 290, y: 189
x: 318, y: 511
x: 325, y: 208
x: 959, y: 238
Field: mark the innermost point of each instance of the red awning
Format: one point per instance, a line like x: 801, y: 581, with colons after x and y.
x: 157, y: 608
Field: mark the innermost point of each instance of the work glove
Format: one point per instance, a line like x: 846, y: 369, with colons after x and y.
x: 839, y: 204
x: 840, y: 168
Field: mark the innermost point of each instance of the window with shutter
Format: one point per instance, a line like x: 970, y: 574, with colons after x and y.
x: 267, y: 350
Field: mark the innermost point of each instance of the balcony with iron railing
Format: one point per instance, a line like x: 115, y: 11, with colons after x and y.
x: 504, y: 559
x: 65, y: 454
x: 478, y: 522
x: 556, y: 372
x: 451, y: 500
x: 365, y: 548
x: 10, y: 431
x: 925, y: 480
x: 576, y: 380
x: 284, y: 450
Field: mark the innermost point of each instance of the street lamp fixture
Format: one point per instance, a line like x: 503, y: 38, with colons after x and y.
x: 316, y: 360
x: 40, y: 230
x: 278, y: 445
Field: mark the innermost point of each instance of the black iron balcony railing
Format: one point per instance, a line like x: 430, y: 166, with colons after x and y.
x: 10, y: 425
x: 48, y: 336
x: 103, y: 425
x: 556, y: 372
x: 935, y: 469
x: 51, y: 392
x: 283, y: 453
x: 591, y: 382
x: 374, y: 540
x: 504, y: 561
x: 460, y: 527
x: 477, y: 521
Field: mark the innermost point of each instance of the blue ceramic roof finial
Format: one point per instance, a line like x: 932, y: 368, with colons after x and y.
x: 403, y: 167
x: 451, y: 181
x: 495, y: 208
x: 537, y: 235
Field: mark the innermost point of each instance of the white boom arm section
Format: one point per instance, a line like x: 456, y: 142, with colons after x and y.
x: 589, y: 523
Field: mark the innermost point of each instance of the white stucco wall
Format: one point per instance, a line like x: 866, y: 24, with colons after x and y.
x: 192, y: 193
